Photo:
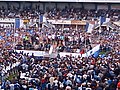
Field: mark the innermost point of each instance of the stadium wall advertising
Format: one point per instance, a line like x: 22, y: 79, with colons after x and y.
x: 70, y: 22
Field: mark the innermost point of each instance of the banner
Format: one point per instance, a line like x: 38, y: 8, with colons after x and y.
x: 7, y: 20
x: 60, y: 21
x: 89, y: 53
x: 30, y: 52
x: 78, y: 22
x: 68, y: 22
x: 44, y: 54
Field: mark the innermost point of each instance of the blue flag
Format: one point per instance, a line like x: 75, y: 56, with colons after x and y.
x: 17, y: 23
x: 86, y: 27
x: 102, y: 19
x: 96, y: 54
x: 41, y: 18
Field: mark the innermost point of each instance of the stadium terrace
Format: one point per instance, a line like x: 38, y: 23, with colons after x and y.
x: 59, y: 45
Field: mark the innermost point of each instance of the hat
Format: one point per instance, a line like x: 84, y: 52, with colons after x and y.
x: 118, y: 85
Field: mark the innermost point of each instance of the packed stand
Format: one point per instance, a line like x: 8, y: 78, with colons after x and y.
x: 57, y: 13
x: 69, y: 73
x: 43, y: 39
x: 60, y: 73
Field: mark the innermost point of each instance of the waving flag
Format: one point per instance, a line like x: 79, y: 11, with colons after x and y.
x: 96, y: 54
x: 18, y: 23
x: 89, y: 27
x: 103, y: 19
x: 42, y: 18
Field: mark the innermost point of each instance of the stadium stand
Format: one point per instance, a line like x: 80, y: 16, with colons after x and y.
x: 59, y: 46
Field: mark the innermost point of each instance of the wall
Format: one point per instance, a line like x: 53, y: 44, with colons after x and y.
x: 50, y: 5
x: 89, y: 6
x: 39, y: 4
x: 76, y: 5
x: 4, y: 4
x: 25, y: 4
x: 62, y: 5
x: 102, y: 6
x: 15, y: 4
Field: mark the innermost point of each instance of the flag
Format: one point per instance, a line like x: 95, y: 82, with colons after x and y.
x: 42, y: 18
x: 96, y: 51
x: 96, y: 54
x: 103, y: 19
x: 89, y: 27
x: 18, y: 23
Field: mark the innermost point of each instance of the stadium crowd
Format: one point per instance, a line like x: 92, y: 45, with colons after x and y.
x: 65, y: 73
x: 60, y: 73
x: 57, y: 13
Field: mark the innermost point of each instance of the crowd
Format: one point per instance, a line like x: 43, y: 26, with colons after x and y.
x: 80, y: 13
x: 57, y: 13
x: 42, y: 39
x: 60, y: 73
x: 64, y: 42
x: 66, y: 73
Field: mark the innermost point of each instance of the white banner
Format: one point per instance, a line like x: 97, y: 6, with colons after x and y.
x: 89, y: 53
x: 7, y: 20
x: 44, y: 54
